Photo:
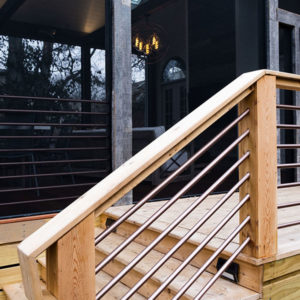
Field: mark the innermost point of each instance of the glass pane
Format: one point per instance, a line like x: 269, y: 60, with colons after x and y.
x: 98, y: 74
x: 174, y: 70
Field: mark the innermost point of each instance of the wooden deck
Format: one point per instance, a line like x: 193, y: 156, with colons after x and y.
x: 275, y: 278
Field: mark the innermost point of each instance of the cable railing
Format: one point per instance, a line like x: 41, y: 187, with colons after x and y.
x: 255, y: 233
x: 293, y: 165
x: 49, y: 147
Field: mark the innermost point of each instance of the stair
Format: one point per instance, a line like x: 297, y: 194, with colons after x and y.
x: 16, y: 291
x: 223, y: 289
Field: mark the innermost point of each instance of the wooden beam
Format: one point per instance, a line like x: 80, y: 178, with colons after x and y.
x: 262, y: 165
x: 121, y: 87
x: 71, y: 263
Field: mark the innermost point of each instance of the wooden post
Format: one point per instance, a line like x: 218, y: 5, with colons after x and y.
x: 262, y: 165
x: 71, y: 263
x: 121, y: 86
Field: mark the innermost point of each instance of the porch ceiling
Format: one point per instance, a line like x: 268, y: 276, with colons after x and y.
x: 2, y: 3
x: 75, y: 15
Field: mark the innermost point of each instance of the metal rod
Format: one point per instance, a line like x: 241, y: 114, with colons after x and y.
x: 223, y: 268
x: 52, y: 174
x: 188, y: 284
x: 288, y: 146
x: 289, y: 224
x: 185, y: 238
x: 159, y: 212
x: 162, y: 185
x: 46, y: 162
x: 51, y: 99
x: 287, y: 166
x: 290, y: 184
x: 53, y: 124
x: 39, y: 200
x: 53, y: 137
x: 53, y: 149
x: 288, y: 107
x: 51, y: 112
x: 170, y: 227
x: 288, y: 126
x: 285, y: 205
x: 50, y: 187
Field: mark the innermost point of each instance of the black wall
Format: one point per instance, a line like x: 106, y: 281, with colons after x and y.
x: 211, y: 48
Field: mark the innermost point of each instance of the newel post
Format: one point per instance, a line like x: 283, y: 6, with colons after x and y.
x: 262, y: 165
x: 71, y: 263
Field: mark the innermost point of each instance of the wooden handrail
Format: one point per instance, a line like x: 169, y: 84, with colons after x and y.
x: 135, y: 170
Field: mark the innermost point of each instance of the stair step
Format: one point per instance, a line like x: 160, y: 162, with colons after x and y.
x: 102, y: 279
x: 248, y: 267
x: 222, y: 289
x: 16, y: 292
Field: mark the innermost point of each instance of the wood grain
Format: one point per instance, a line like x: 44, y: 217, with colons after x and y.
x: 71, y: 264
x: 262, y: 165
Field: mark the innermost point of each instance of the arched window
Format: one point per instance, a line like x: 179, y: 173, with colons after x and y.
x: 174, y: 70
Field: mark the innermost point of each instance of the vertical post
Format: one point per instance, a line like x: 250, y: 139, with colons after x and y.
x: 262, y: 165
x: 71, y: 263
x: 121, y: 86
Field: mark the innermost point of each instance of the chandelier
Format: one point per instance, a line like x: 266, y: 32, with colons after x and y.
x: 146, y: 44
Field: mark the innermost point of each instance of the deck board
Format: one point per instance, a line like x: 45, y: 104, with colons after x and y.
x: 288, y: 238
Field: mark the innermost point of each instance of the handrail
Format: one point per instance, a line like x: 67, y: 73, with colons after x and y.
x: 135, y: 170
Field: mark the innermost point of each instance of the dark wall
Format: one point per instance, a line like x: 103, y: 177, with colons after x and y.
x: 211, y: 47
x: 250, y: 35
x: 290, y: 5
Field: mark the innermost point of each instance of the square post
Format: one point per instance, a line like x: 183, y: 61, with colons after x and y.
x: 71, y: 263
x: 262, y: 165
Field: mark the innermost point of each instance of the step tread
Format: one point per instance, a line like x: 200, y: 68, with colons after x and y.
x: 102, y: 279
x: 174, y: 211
x: 222, y: 289
x: 16, y: 292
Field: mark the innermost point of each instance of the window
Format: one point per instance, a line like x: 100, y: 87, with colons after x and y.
x: 174, y: 70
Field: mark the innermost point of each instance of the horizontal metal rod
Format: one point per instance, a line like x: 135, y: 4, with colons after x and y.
x: 222, y: 269
x: 288, y: 224
x: 65, y: 112
x: 162, y: 185
x: 52, y: 137
x: 220, y: 249
x: 51, y: 99
x: 48, y: 162
x: 192, y: 231
x: 290, y: 204
x: 288, y: 166
x: 290, y: 184
x: 38, y: 201
x: 51, y: 187
x: 51, y: 174
x: 170, y: 227
x: 288, y: 107
x: 288, y: 146
x: 53, y: 149
x: 52, y: 124
x: 288, y: 126
x: 169, y: 203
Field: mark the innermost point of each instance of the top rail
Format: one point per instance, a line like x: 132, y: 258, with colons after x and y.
x: 135, y: 170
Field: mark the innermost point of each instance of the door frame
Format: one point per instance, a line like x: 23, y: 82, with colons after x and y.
x: 275, y: 17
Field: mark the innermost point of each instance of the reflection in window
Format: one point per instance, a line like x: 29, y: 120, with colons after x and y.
x: 174, y: 70
x: 98, y: 74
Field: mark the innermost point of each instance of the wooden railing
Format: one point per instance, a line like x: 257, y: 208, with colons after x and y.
x: 68, y: 238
